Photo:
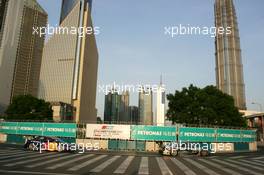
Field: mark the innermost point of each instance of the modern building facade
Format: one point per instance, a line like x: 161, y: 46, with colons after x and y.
x: 20, y: 49
x: 160, y: 117
x: 116, y: 108
x: 112, y: 107
x: 229, y: 68
x: 133, y: 115
x: 124, y: 107
x: 145, y: 106
x: 70, y: 63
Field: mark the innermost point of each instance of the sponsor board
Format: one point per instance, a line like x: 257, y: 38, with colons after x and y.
x: 153, y: 133
x: 41, y: 129
x: 197, y: 134
x: 233, y: 135
x: 108, y: 131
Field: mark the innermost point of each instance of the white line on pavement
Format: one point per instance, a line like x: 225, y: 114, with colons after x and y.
x: 15, y: 155
x: 238, y: 157
x: 70, y: 161
x: 237, y: 167
x: 257, y: 158
x: 84, y: 164
x: 219, y: 167
x: 163, y: 166
x: 123, y: 167
x: 30, y: 172
x: 104, y: 165
x: 51, y: 161
x: 205, y: 169
x: 184, y: 168
x: 20, y: 158
x: 245, y: 164
x: 143, y: 169
x: 253, y: 163
x: 42, y: 157
x: 259, y: 161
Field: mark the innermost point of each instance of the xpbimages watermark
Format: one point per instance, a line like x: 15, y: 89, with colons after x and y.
x: 180, y: 30
x: 132, y: 88
x: 61, y: 30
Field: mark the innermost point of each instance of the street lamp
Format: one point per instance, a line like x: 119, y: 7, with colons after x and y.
x: 260, y: 106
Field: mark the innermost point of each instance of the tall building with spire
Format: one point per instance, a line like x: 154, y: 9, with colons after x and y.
x: 229, y: 68
x: 160, y: 116
x: 70, y: 63
x: 20, y: 49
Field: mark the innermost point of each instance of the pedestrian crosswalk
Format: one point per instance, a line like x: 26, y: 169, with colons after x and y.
x: 112, y: 163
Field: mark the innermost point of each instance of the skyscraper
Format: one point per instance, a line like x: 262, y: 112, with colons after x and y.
x: 229, y: 68
x: 70, y: 62
x: 20, y: 50
x: 112, y: 107
x: 117, y: 107
x: 160, y: 118
x: 124, y: 107
x: 145, y: 107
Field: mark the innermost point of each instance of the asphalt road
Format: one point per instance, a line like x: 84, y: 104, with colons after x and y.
x: 14, y: 160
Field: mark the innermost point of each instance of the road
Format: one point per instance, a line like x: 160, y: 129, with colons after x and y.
x: 15, y: 160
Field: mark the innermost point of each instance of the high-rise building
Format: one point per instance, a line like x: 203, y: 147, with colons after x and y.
x: 133, y: 115
x: 160, y: 116
x: 145, y: 107
x: 20, y: 49
x: 229, y: 68
x: 70, y: 63
x: 112, y: 107
x: 124, y: 107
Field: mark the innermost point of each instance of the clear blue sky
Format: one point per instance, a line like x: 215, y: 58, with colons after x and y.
x: 133, y: 48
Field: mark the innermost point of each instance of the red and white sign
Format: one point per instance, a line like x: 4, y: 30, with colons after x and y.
x: 105, y: 131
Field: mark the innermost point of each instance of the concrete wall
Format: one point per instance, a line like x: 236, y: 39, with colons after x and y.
x: 3, y: 138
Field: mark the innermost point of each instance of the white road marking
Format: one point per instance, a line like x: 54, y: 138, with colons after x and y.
x: 220, y: 167
x: 69, y: 161
x: 51, y: 161
x: 245, y: 164
x: 102, y: 166
x: 15, y: 155
x: 143, y: 169
x: 123, y: 167
x: 20, y: 158
x: 30, y: 172
x: 238, y: 157
x: 200, y: 166
x: 183, y: 167
x: 259, y: 161
x: 258, y: 158
x: 84, y: 164
x: 252, y: 162
x: 237, y: 167
x: 163, y: 166
x: 42, y: 157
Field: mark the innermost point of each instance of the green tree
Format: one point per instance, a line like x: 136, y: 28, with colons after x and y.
x: 206, y: 106
x: 27, y: 107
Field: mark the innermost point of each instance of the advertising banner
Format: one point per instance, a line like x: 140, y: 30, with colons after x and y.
x: 155, y: 133
x: 41, y: 129
x: 248, y: 135
x: 187, y: 134
x: 107, y: 131
x: 228, y: 135
x: 59, y: 129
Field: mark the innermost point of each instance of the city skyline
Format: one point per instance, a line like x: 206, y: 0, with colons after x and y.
x: 168, y: 56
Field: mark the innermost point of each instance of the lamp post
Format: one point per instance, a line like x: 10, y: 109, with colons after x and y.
x: 260, y: 106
